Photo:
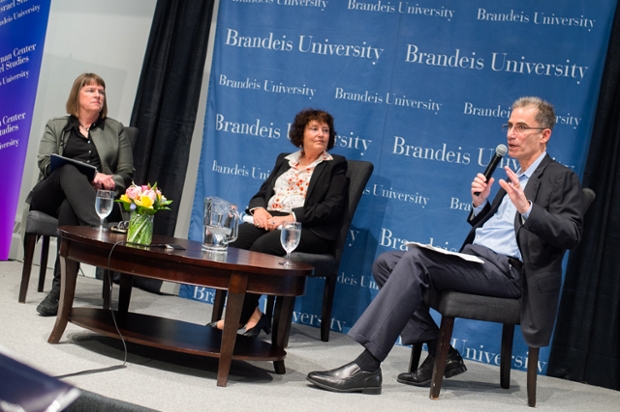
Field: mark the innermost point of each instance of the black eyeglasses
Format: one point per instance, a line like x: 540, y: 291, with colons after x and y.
x: 520, y: 128
x: 123, y: 225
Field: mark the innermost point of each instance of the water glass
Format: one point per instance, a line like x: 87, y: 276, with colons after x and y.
x: 103, y: 205
x: 290, y: 235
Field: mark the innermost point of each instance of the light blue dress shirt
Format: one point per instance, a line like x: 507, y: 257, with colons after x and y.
x: 498, y: 233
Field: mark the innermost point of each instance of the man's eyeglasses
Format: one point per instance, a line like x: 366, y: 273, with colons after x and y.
x: 520, y: 128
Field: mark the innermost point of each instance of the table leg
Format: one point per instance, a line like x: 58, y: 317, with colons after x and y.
x: 236, y: 294
x: 283, y: 316
x: 124, y: 295
x: 107, y: 288
x: 68, y: 277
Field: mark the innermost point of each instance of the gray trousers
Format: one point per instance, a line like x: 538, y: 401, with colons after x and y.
x: 404, y: 277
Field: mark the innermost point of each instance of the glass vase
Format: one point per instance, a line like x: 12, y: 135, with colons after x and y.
x: 140, y: 228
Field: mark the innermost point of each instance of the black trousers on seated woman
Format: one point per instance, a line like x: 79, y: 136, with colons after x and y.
x: 67, y: 195
x: 260, y: 240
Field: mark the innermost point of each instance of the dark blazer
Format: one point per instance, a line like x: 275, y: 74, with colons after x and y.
x: 553, y: 226
x: 324, y: 200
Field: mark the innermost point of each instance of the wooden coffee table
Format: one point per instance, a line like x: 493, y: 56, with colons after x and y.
x: 238, y: 272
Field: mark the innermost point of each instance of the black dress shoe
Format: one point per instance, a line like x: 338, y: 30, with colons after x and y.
x: 263, y: 323
x: 49, y: 305
x: 423, y: 375
x: 348, y: 378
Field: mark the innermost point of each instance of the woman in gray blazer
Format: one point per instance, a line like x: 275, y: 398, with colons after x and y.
x: 89, y: 136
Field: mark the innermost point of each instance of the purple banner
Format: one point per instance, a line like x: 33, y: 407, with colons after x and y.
x: 22, y: 35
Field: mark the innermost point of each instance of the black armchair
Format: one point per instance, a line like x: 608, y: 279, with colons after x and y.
x: 40, y: 225
x: 325, y: 265
x: 451, y: 304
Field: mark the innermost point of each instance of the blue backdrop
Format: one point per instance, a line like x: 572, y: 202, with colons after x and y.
x: 420, y: 89
x: 22, y: 35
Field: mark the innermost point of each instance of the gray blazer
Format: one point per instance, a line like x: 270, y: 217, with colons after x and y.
x: 553, y: 226
x: 110, y: 140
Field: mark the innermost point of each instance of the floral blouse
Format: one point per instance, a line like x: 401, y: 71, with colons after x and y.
x: 291, y: 187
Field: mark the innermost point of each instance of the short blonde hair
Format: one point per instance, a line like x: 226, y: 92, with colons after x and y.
x: 84, y: 79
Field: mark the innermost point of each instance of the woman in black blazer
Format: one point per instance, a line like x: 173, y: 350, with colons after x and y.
x: 307, y: 186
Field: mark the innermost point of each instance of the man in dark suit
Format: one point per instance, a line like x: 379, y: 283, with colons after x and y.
x: 521, y: 237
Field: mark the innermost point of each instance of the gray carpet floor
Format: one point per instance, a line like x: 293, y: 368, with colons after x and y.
x: 168, y: 381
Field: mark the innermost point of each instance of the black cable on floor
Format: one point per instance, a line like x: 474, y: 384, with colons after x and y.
x: 110, y: 283
x: 109, y: 275
x: 123, y: 243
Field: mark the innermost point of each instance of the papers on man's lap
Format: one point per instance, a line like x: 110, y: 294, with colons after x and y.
x: 464, y: 256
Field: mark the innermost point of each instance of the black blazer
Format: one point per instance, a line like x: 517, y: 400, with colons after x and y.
x: 553, y: 226
x: 324, y: 200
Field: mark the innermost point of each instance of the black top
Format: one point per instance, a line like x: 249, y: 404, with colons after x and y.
x: 79, y: 147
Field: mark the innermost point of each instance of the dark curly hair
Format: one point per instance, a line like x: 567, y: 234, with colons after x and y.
x: 296, y: 132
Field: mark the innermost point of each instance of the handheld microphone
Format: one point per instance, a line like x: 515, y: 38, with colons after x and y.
x: 500, y: 151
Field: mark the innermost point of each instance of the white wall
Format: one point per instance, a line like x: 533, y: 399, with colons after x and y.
x: 108, y: 38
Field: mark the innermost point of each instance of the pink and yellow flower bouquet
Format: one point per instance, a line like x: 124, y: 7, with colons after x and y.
x: 143, y: 202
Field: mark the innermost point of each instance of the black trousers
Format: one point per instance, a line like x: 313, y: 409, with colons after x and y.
x: 67, y: 195
x: 260, y: 240
x: 404, y: 277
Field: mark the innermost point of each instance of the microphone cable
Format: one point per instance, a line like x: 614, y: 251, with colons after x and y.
x: 111, y: 284
x: 124, y: 364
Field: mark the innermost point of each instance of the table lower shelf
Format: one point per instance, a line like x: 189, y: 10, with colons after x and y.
x: 172, y: 334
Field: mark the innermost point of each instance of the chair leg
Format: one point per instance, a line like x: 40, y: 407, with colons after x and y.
x: 45, y: 247
x: 443, y: 347
x: 532, y: 373
x: 414, y: 361
x: 29, y: 243
x: 218, y: 305
x: 508, y: 332
x: 328, y: 301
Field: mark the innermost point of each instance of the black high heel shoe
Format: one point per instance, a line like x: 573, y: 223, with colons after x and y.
x: 264, y: 323
x: 214, y: 325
